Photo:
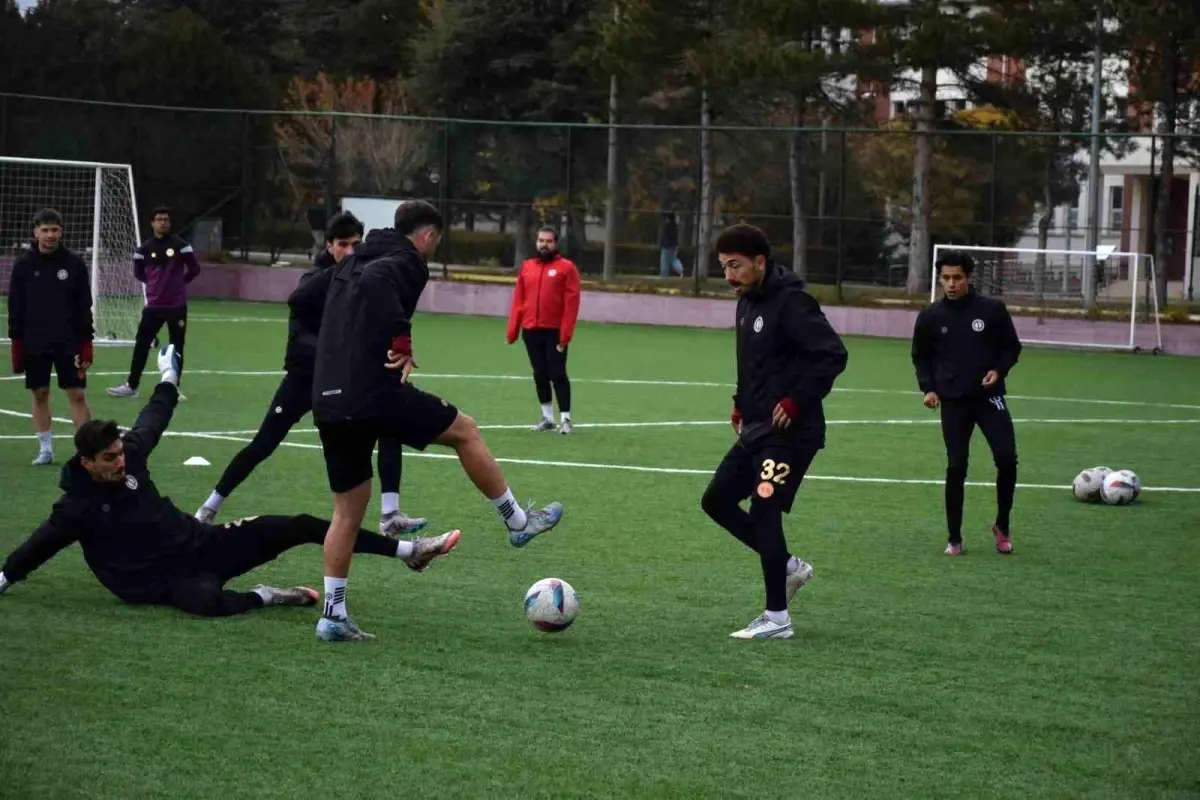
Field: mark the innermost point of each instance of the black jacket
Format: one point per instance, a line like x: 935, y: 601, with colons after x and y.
x: 301, y: 353
x: 786, y: 348
x: 957, y: 342
x: 134, y: 540
x: 50, y: 300
x: 361, y: 305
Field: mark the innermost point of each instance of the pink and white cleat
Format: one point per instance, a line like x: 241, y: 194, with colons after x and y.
x: 954, y: 549
x: 1003, y: 540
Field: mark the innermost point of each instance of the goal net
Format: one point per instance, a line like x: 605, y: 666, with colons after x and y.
x: 99, y: 212
x: 1045, y: 291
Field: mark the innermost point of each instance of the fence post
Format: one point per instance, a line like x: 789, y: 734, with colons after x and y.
x: 444, y: 191
x: 992, y: 201
x: 567, y: 230
x: 331, y: 168
x: 247, y: 172
x: 841, y: 223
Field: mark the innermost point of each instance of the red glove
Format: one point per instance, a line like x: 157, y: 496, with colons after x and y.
x: 789, y: 407
x: 736, y: 417
x: 86, y: 357
x: 18, y: 356
x: 402, y: 345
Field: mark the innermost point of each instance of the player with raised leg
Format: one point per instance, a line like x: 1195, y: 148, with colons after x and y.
x: 50, y: 325
x: 963, y: 348
x: 146, y: 551
x: 361, y: 392
x: 293, y: 399
x: 788, y: 356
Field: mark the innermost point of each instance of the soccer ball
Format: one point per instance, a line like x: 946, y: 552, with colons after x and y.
x: 1088, y: 484
x: 551, y: 605
x: 1120, y: 488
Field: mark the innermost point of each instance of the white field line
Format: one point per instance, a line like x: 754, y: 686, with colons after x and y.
x: 226, y: 437
x: 639, y: 382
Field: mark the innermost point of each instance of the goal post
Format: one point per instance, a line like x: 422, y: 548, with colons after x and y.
x: 100, y: 225
x: 1048, y: 286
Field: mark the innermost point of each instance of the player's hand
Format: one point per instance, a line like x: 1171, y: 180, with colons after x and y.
x: 84, y: 358
x: 403, y: 362
x: 931, y: 400
x: 562, y: 348
x: 785, y: 412
x: 991, y: 379
x: 4, y: 584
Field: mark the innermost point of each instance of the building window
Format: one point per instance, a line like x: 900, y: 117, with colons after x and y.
x: 1116, y: 207
x: 898, y: 109
x: 1073, y: 216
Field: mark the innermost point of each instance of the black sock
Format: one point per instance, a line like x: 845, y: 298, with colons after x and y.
x: 1006, y: 487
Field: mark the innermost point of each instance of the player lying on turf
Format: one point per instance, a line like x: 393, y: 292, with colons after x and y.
x: 361, y: 392
x: 145, y: 550
x: 788, y: 356
x: 293, y: 399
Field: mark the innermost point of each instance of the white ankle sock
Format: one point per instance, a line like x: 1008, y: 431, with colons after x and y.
x: 779, y: 617
x: 793, y: 565
x: 335, y: 597
x: 548, y: 412
x: 404, y: 548
x: 512, y: 514
x: 389, y: 502
x: 214, y: 501
x: 45, y: 441
x: 566, y: 416
x: 266, y: 593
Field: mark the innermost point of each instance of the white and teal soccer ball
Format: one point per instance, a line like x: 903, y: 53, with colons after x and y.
x: 1089, y: 483
x: 1120, y: 488
x: 551, y: 605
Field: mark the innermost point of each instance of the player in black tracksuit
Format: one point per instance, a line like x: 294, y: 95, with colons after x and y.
x: 50, y: 325
x: 361, y: 392
x: 788, y: 357
x: 293, y: 399
x: 145, y: 550
x: 963, y: 348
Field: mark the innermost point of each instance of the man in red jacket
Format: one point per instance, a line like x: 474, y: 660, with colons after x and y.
x: 545, y: 307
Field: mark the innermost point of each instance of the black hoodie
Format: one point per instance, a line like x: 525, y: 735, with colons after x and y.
x: 786, y: 348
x: 50, y: 300
x: 364, y: 304
x: 957, y: 342
x: 135, y: 541
x: 301, y: 353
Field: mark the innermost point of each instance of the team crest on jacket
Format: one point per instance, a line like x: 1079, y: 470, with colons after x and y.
x: 62, y: 274
x: 758, y: 324
x: 131, y: 483
x: 977, y: 325
x: 170, y: 252
x: 552, y: 273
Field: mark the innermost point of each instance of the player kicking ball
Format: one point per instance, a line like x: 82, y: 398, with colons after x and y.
x: 361, y: 392
x: 963, y: 348
x: 146, y: 551
x: 788, y: 356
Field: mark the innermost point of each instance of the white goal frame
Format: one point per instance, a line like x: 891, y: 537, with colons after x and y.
x: 98, y: 169
x: 1136, y: 277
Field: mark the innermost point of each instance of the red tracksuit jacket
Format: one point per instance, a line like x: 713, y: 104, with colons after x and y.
x: 547, y: 296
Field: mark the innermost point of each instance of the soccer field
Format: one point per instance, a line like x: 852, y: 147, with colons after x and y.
x: 1069, y: 669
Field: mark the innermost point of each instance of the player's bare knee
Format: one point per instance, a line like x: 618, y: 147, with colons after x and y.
x: 42, y: 396
x: 77, y: 397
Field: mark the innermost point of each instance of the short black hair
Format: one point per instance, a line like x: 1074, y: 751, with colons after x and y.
x: 47, y: 216
x: 549, y: 230
x: 956, y: 258
x: 342, y: 225
x: 95, y: 436
x: 414, y: 214
x: 160, y: 210
x: 743, y: 239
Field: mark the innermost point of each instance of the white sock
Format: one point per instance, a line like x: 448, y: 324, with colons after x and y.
x: 335, y: 597
x: 793, y: 565
x: 389, y: 502
x: 548, y: 412
x: 512, y: 514
x: 566, y: 416
x: 266, y: 593
x: 779, y: 617
x: 45, y: 442
x: 214, y: 502
x: 405, y: 548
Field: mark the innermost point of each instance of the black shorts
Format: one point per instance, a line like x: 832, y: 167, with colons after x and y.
x: 37, y: 369
x: 416, y: 422
x: 771, y: 469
